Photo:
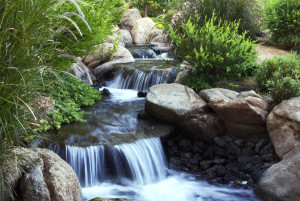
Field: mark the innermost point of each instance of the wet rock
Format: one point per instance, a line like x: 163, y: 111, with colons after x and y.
x: 185, y: 145
x: 239, y: 142
x: 139, y: 53
x: 159, y: 47
x: 283, y: 125
x: 267, y: 157
x: 218, y: 160
x: 105, y: 92
x: 142, y: 94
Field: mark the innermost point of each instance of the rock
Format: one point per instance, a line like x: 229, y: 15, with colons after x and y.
x: 129, y: 19
x: 245, y: 94
x: 142, y: 94
x: 140, y: 53
x: 220, y: 141
x: 105, y: 92
x: 184, y: 70
x: 61, y: 179
x: 141, y: 30
x: 83, y: 73
x: 244, y: 119
x: 260, y: 145
x: 206, y: 164
x: 283, y: 125
x: 47, y: 176
x: 33, y: 186
x: 113, y: 199
x: 282, y: 180
x: 157, y: 35
x: 180, y: 105
x: 125, y: 36
x: 159, y: 47
x: 109, y: 59
x: 214, y: 93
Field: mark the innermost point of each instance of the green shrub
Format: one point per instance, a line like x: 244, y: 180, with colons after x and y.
x: 70, y: 95
x: 282, y: 18
x: 280, y: 77
x: 215, y: 50
x: 247, y: 12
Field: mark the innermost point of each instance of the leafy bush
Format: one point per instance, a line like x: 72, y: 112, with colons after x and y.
x: 70, y: 94
x: 215, y: 50
x: 280, y: 77
x: 247, y: 12
x: 282, y: 18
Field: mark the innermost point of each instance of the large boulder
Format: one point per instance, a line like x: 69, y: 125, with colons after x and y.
x: 141, y: 30
x: 47, y: 176
x: 244, y: 114
x: 129, y: 19
x: 281, y: 182
x: 180, y: 105
x: 104, y: 59
x: 283, y: 125
x: 125, y: 36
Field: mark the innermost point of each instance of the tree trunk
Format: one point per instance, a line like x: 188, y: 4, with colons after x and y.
x: 145, y: 8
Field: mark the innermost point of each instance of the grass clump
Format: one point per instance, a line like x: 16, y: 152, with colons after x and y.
x: 216, y: 50
x: 280, y: 77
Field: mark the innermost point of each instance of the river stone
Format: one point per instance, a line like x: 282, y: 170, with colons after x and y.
x: 160, y: 47
x: 180, y: 105
x: 141, y: 30
x: 129, y: 19
x: 282, y: 180
x: 283, y: 125
x: 244, y: 119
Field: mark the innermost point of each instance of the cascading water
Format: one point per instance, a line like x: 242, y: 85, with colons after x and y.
x: 142, y: 162
x: 115, y: 154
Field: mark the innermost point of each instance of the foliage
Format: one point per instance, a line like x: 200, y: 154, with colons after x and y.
x: 101, y: 16
x: 215, y: 50
x: 247, y: 12
x: 153, y: 8
x: 282, y: 18
x: 280, y: 77
x: 70, y: 94
x: 33, y: 34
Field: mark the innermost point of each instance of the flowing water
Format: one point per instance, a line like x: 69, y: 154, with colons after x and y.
x: 118, y: 153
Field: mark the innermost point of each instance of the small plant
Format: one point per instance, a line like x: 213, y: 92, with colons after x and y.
x: 282, y: 18
x: 216, y: 50
x: 280, y: 77
x: 70, y: 95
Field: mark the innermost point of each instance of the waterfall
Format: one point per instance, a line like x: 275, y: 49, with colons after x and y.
x: 138, y: 80
x: 142, y: 162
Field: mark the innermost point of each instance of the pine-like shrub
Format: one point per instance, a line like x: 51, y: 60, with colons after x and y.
x: 282, y: 18
x: 216, y: 50
x: 280, y: 77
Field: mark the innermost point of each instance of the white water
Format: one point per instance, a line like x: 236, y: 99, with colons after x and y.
x: 137, y: 170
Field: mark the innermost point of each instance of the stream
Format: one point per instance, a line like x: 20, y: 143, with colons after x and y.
x: 118, y: 154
